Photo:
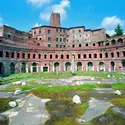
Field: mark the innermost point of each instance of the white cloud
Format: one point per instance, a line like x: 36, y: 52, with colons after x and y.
x: 57, y: 8
x: 38, y: 3
x: 1, y: 19
x: 112, y: 22
x: 37, y: 25
x: 110, y: 32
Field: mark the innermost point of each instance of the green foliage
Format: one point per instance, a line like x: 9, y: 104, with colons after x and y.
x: 118, y: 30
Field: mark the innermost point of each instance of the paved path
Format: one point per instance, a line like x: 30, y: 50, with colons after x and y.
x: 96, y: 108
x: 31, y: 111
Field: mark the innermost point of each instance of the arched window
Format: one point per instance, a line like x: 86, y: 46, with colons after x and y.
x: 23, y: 55
x: 62, y: 56
x: 28, y: 56
x: 7, y: 54
x: 18, y: 55
x: 106, y: 55
x: 12, y: 55
x: 34, y: 56
x: 118, y: 54
x: 79, y: 56
x: 84, y: 56
x: 67, y: 56
x: 80, y: 45
x: 113, y: 42
x: 39, y: 56
x: 100, y: 55
x: 120, y: 40
x: 112, y: 55
x: 45, y: 56
x: 95, y: 55
x: 90, y: 56
x: 56, y: 56
x: 51, y: 56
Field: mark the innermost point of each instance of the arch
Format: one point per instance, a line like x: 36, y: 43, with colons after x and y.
x: 101, y: 66
x: 1, y: 53
x: 113, y: 42
x: 23, y: 68
x: 68, y: 66
x: 1, y: 69
x: 90, y: 66
x: 56, y: 66
x: 79, y: 66
x: 120, y: 41
x: 112, y: 66
x: 34, y: 67
x: 107, y: 44
x: 12, y: 68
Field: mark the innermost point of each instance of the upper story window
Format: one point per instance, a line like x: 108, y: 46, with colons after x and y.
x: 9, y: 36
x: 34, y: 32
x: 73, y: 31
x: 87, y: 44
x: 73, y: 45
x: 56, y: 45
x: 64, y: 40
x: 63, y: 30
x: 49, y: 38
x: 60, y: 30
x: 93, y: 44
x: 57, y: 30
x: 60, y: 46
x: 57, y: 39
x: 79, y: 31
x: 80, y: 45
x: 12, y: 55
x: 60, y: 39
x: 38, y: 44
x: 40, y: 32
x: 56, y: 56
x: 49, y: 31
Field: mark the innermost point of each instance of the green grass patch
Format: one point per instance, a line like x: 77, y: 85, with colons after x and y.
x: 119, y: 86
x: 53, y: 75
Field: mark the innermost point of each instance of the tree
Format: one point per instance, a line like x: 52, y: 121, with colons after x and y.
x: 118, y: 30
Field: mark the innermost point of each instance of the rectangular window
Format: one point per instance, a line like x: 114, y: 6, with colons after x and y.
x: 39, y: 31
x: 28, y: 56
x: 49, y: 45
x: 60, y: 39
x: 56, y: 45
x: 49, y: 31
x: 38, y: 44
x: 56, y: 39
x: 60, y: 30
x: 60, y: 46
x: 49, y: 38
x: 64, y: 46
x: 34, y: 32
x: 57, y: 30
x: 64, y: 31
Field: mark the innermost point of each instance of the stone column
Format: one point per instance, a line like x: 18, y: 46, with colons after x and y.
x: 73, y: 64
x: 27, y: 70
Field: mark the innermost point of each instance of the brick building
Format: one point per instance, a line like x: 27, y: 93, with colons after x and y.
x: 51, y: 48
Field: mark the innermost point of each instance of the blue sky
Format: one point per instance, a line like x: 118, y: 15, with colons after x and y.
x: 24, y: 14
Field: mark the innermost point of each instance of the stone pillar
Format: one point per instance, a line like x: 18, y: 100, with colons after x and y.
x: 31, y: 68
x: 37, y: 68
x: 27, y: 70
x: 73, y: 64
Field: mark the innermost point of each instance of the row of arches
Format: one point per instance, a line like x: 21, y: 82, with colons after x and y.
x: 67, y: 56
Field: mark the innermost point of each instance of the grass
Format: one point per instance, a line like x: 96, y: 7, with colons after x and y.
x: 52, y: 75
x: 119, y: 86
x: 119, y: 101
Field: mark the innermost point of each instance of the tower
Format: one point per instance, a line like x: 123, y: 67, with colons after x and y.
x: 55, y: 19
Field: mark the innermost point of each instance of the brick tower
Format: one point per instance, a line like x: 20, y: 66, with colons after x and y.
x: 55, y: 19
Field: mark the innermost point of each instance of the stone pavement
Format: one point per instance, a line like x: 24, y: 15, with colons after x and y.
x: 31, y: 110
x: 96, y: 108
